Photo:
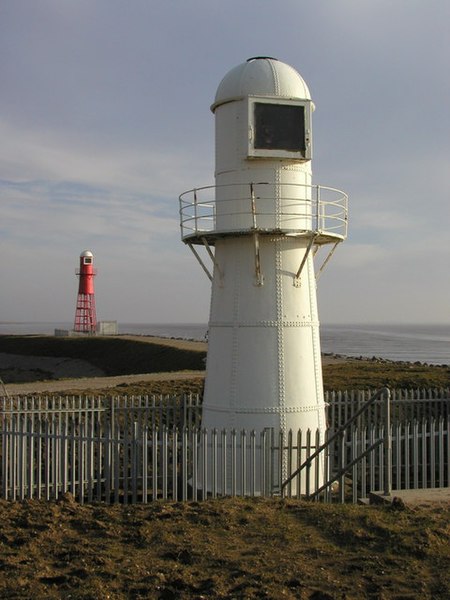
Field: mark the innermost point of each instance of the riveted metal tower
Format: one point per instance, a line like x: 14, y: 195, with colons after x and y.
x: 85, y: 316
x: 262, y: 225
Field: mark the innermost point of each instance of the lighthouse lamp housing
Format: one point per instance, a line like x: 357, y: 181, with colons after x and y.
x: 279, y: 128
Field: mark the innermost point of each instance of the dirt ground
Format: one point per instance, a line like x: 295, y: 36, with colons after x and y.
x: 229, y: 548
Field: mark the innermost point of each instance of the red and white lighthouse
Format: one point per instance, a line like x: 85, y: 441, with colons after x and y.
x: 85, y: 317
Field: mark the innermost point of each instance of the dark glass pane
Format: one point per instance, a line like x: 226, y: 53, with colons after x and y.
x: 279, y: 127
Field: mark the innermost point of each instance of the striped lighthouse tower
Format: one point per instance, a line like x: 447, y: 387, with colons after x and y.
x: 85, y: 316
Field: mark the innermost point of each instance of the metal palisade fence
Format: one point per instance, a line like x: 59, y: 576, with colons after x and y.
x: 148, y: 448
x: 407, y: 405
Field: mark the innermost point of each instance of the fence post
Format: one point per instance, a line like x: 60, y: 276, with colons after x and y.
x: 107, y: 462
x: 214, y: 463
x: 175, y: 463
x: 30, y: 459
x: 263, y: 462
x: 440, y: 449
x: 223, y: 461
x: 341, y: 462
x: 81, y: 464
x: 22, y: 431
x: 298, y: 478
x: 116, y: 461
x: 387, y: 445
x: 155, y: 442
x: 204, y: 458
x: 134, y: 457
x: 184, y: 463
x: 447, y: 449
x: 317, y: 461
x: 432, y: 453
x: 5, y: 457
x: 165, y: 461
x: 243, y: 490
x: 233, y: 462
x: 252, y: 462
x: 47, y: 459
x: 290, y: 452
x: 194, y: 439
x: 89, y: 457
x: 144, y: 461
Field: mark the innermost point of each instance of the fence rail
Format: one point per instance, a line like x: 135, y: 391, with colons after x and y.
x: 406, y: 405
x: 154, y: 411
x: 176, y: 411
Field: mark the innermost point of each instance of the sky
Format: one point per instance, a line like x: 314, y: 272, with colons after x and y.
x: 105, y: 120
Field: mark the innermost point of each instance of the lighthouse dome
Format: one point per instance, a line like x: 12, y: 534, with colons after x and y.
x: 86, y: 253
x: 261, y: 76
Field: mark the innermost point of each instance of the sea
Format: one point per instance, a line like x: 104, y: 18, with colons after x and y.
x: 410, y: 343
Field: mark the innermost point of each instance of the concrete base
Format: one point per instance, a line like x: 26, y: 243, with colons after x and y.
x: 409, y: 497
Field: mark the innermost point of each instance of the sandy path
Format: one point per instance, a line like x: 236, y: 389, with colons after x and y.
x: 91, y: 383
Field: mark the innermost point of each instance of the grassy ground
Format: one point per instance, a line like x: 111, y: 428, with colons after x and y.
x: 230, y: 548
x: 370, y: 374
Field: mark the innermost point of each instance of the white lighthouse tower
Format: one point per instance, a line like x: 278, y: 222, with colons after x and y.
x: 262, y: 225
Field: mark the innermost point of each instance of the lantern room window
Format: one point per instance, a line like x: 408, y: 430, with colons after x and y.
x: 87, y: 260
x: 279, y: 129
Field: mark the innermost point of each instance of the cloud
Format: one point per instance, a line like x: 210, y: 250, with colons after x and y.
x: 45, y: 155
x: 105, y: 120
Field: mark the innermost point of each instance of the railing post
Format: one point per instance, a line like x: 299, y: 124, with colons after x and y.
x: 258, y: 275
x: 318, y: 215
x: 253, y: 204
x: 195, y: 211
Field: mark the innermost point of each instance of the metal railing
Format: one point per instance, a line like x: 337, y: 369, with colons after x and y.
x: 264, y: 207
